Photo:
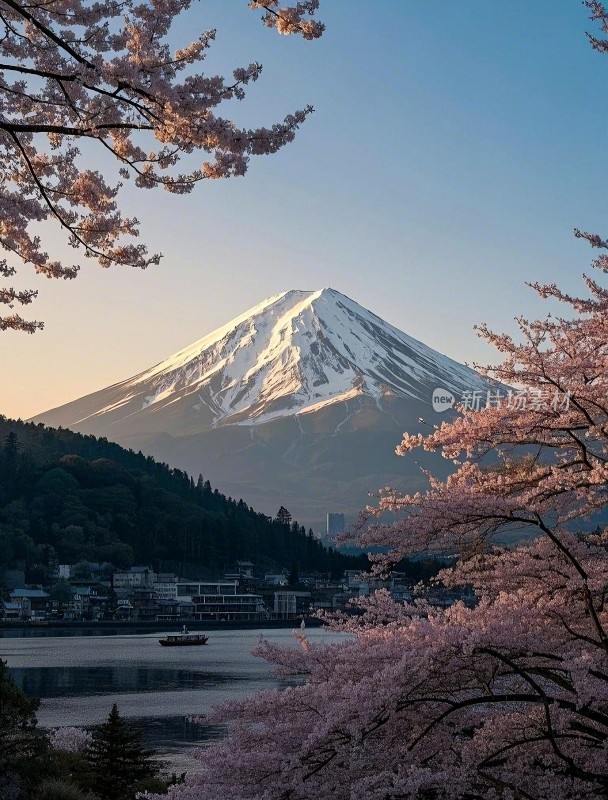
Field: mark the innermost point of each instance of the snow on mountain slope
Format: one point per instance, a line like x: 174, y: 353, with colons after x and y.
x: 300, y: 402
x: 294, y: 353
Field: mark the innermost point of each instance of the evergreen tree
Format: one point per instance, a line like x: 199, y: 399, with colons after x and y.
x: 294, y: 576
x: 283, y: 516
x: 11, y: 449
x: 9, y: 463
x: 117, y: 761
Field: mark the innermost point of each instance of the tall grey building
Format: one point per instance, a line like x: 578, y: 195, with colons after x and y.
x: 335, y: 523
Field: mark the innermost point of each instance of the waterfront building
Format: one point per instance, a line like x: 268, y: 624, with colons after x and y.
x: 289, y: 604
x: 174, y: 610
x: 10, y: 610
x: 221, y: 600
x: 135, y: 578
x: 186, y: 590
x: 165, y: 587
x: 34, y: 603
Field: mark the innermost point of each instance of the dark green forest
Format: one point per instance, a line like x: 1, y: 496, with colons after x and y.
x: 67, y: 498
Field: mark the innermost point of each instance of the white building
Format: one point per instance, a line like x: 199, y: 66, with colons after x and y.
x: 186, y: 590
x: 166, y: 591
x: 221, y: 600
x: 135, y: 578
x: 165, y: 586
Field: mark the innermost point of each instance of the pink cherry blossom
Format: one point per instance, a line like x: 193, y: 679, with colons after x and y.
x: 70, y: 739
x: 74, y: 70
x: 506, y: 698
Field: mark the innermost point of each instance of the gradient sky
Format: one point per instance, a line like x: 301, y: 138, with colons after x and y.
x: 454, y: 147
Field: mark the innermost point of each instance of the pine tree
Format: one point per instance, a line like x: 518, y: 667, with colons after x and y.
x: 116, y: 759
x: 11, y: 448
x: 9, y: 464
x: 283, y: 516
x: 294, y: 575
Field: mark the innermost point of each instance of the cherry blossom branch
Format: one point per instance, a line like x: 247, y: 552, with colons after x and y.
x: 103, y: 71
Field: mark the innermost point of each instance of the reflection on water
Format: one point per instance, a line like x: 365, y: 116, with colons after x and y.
x: 70, y: 681
x: 158, y: 688
x: 175, y: 735
x: 37, y: 632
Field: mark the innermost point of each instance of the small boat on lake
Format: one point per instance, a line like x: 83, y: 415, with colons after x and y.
x: 183, y: 639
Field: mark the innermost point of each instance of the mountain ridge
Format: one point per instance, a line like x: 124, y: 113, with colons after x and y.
x: 296, y: 352
x: 283, y: 400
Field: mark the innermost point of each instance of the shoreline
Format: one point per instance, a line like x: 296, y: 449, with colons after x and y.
x: 111, y: 626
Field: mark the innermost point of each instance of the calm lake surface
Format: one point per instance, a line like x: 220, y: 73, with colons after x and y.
x: 158, y: 688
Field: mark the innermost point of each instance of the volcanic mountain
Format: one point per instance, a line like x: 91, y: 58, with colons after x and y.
x: 299, y: 402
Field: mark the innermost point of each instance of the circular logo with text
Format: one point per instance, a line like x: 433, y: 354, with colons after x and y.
x: 442, y: 400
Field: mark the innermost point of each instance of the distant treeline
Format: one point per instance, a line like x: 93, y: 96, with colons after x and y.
x: 66, y: 498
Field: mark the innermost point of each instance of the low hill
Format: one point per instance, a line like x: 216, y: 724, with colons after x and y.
x: 67, y: 497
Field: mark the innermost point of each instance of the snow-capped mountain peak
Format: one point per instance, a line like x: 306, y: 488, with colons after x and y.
x: 299, y: 401
x: 293, y: 353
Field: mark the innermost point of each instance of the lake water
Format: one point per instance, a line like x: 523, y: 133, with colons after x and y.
x: 158, y: 688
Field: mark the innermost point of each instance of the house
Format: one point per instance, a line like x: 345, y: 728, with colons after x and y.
x: 135, y: 578
x: 124, y: 609
x: 34, y: 603
x: 145, y: 604
x: 10, y: 610
x: 362, y: 585
x: 165, y: 586
x: 243, y: 575
x: 64, y: 571
x: 245, y: 569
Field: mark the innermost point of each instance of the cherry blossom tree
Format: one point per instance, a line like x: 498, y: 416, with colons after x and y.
x: 505, y: 698
x: 74, y: 70
x: 70, y: 739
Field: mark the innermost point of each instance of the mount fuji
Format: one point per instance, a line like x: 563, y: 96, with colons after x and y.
x: 299, y: 402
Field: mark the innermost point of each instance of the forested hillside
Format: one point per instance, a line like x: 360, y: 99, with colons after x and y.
x: 66, y: 498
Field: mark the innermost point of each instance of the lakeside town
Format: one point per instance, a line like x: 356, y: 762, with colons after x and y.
x: 90, y: 592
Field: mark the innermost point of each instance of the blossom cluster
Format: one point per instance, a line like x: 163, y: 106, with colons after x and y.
x: 70, y: 739
x: 505, y: 698
x: 103, y: 72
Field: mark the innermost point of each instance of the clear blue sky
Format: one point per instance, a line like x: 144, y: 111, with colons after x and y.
x: 454, y: 147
